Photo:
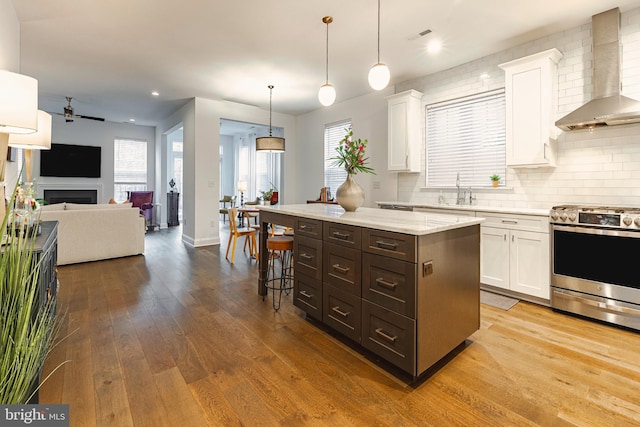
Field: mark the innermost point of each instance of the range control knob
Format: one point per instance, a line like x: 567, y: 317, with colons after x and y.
x: 563, y: 216
x: 573, y: 216
x: 554, y: 215
x: 637, y: 221
x: 627, y: 220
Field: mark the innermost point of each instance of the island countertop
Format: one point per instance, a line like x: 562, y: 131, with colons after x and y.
x: 414, y: 223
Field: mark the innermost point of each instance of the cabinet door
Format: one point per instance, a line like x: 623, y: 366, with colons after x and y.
x: 530, y: 263
x: 494, y: 257
x: 404, y: 138
x: 398, y: 115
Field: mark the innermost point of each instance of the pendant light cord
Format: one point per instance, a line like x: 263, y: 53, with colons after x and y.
x: 327, y: 56
x: 378, y: 31
x: 270, y: 96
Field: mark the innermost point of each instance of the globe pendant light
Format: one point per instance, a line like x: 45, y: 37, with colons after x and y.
x: 274, y: 144
x: 379, y: 74
x: 327, y: 93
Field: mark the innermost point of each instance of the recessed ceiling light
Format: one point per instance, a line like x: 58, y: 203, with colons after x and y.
x: 434, y: 46
x: 132, y: 120
x: 155, y: 93
x: 484, y: 76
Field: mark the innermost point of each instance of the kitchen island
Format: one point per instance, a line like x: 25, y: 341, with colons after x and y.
x: 404, y: 285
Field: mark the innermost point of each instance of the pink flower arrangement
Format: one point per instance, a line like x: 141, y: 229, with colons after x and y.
x: 351, y: 154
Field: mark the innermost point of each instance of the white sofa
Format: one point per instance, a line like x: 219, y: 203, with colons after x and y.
x: 96, y: 232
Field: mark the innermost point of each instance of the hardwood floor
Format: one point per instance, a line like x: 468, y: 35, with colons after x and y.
x: 179, y: 337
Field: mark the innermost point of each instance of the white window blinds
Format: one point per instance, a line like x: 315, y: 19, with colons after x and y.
x: 466, y: 136
x: 333, y: 134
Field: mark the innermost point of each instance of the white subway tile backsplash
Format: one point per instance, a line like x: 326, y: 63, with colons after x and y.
x: 599, y: 167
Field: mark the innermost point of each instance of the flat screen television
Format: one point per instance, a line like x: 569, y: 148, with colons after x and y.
x: 75, y: 161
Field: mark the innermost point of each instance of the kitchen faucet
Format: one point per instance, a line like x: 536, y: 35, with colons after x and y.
x: 461, y: 194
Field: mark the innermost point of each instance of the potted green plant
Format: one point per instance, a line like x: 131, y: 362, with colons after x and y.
x: 495, y: 180
x: 28, y: 327
x: 266, y: 196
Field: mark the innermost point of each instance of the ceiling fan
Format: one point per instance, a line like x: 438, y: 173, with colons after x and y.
x: 69, y: 116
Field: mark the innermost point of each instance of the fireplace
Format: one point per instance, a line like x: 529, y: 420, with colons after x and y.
x: 71, y: 196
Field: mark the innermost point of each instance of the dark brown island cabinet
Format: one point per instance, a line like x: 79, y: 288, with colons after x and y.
x: 404, y: 285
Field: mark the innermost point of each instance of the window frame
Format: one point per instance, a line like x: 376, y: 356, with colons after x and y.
x: 334, y: 132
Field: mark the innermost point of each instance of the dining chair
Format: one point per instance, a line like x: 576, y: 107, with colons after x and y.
x: 235, y: 232
x: 224, y: 210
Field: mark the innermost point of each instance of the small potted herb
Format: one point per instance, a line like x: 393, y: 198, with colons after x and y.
x: 495, y: 180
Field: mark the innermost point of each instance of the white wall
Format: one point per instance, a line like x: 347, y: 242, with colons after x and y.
x: 368, y: 114
x: 100, y: 134
x: 599, y: 167
x: 228, y: 172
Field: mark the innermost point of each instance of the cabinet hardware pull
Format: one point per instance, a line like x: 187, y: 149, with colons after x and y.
x: 382, y: 282
x: 386, y: 245
x: 386, y: 336
x: 305, y: 256
x: 302, y: 227
x: 339, y: 235
x: 340, y: 312
x: 509, y: 221
x: 305, y: 294
x: 341, y: 269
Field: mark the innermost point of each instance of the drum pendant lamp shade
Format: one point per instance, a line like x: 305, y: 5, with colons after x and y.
x: 274, y: 144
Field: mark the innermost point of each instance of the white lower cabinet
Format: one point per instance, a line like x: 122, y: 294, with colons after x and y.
x: 514, y: 253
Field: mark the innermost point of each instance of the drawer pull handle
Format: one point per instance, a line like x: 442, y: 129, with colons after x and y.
x: 306, y: 295
x: 386, y: 336
x: 390, y: 285
x: 509, y: 221
x: 386, y: 245
x: 339, y: 235
x: 340, y: 269
x: 305, y: 256
x: 303, y: 227
x: 340, y: 312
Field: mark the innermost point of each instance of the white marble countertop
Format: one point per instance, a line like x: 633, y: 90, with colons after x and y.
x: 414, y: 223
x: 477, y: 208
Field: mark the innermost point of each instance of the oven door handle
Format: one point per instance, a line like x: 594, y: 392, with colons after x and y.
x: 596, y: 231
x: 598, y: 304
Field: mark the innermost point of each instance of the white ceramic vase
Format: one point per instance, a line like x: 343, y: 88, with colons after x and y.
x: 350, y: 195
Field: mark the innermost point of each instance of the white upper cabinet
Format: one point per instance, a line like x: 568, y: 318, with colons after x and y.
x: 404, y: 141
x: 531, y: 88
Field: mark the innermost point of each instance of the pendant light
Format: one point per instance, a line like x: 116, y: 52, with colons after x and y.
x: 274, y: 144
x: 327, y: 93
x: 379, y: 74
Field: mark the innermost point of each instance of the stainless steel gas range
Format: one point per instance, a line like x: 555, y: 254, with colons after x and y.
x: 595, y: 262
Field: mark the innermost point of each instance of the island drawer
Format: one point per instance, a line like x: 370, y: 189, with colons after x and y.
x: 390, y: 283
x: 390, y: 244
x: 342, y: 268
x: 342, y: 311
x: 308, y: 256
x: 342, y: 234
x: 389, y: 335
x: 308, y: 227
x: 307, y: 295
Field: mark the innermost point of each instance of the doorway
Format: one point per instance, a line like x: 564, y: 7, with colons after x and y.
x: 174, y: 163
x: 240, y: 162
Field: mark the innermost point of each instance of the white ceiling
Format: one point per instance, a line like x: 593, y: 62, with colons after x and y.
x: 110, y: 55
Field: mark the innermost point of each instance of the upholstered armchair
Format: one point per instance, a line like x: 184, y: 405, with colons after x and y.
x: 143, y: 200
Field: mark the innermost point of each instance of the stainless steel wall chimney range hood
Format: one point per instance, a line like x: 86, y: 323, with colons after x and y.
x: 608, y: 107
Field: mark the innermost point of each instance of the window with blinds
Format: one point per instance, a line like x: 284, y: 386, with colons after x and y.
x: 466, y: 136
x: 333, y: 134
x: 129, y: 167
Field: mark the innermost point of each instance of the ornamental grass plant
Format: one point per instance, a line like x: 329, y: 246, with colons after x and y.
x: 27, y: 327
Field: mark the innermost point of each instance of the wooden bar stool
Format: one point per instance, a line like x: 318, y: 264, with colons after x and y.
x: 280, y: 248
